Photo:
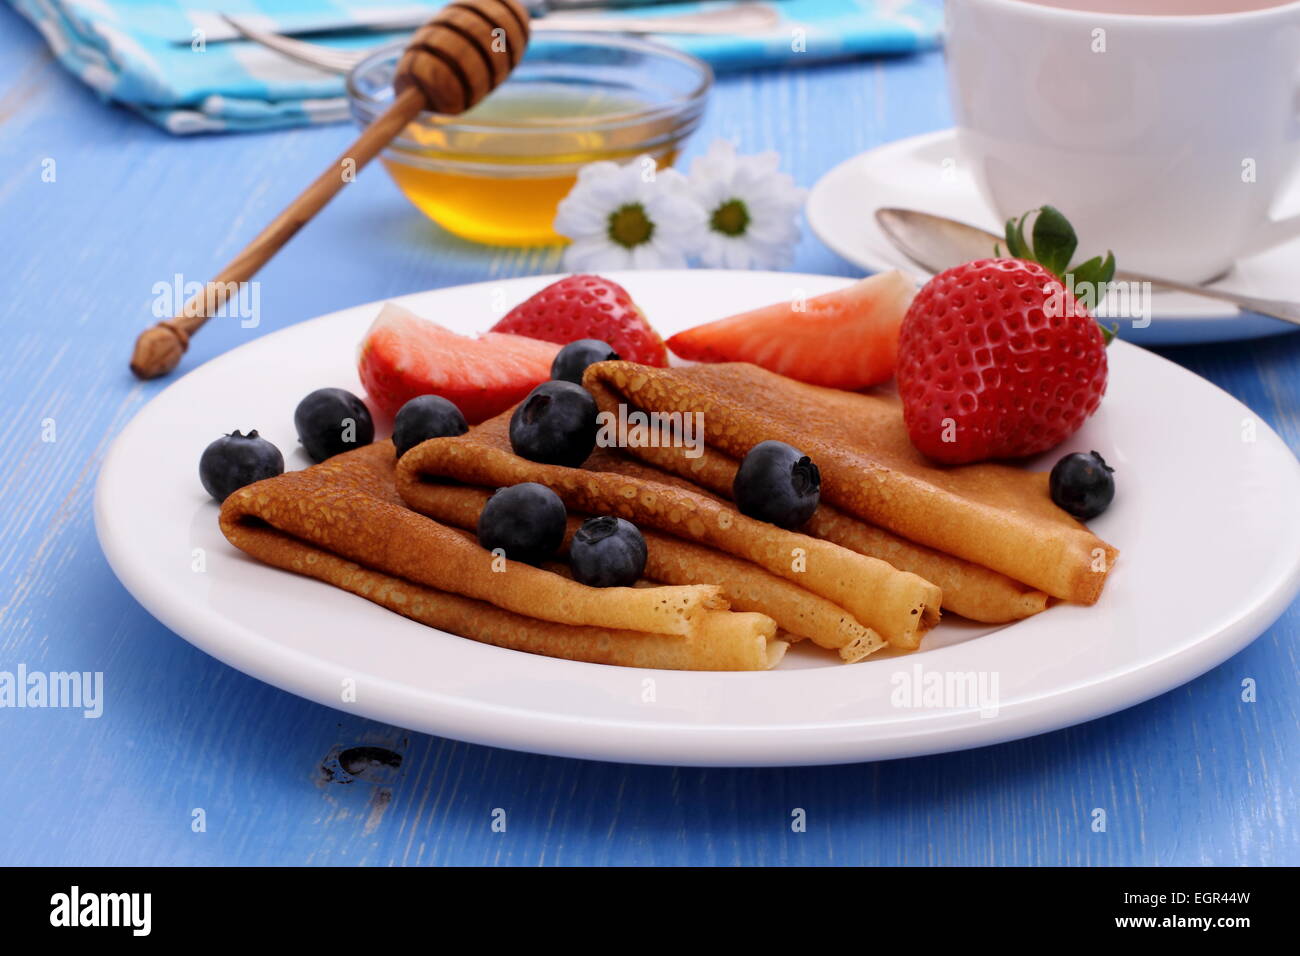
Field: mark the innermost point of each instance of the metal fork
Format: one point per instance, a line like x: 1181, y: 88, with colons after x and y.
x: 742, y: 17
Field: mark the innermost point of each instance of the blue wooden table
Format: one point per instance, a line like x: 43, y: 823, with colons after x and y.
x: 1196, y: 776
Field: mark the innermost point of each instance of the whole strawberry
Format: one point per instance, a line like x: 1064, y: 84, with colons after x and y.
x: 587, y: 307
x: 997, y: 358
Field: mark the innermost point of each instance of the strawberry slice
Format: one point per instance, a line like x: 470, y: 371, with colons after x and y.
x: 842, y: 339
x: 587, y: 307
x: 403, y: 356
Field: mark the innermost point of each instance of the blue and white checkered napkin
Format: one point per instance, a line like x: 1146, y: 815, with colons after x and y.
x: 150, y: 54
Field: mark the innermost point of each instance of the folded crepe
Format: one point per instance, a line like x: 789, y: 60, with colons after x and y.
x: 897, y: 605
x: 342, y: 522
x: 997, y: 516
x: 970, y: 590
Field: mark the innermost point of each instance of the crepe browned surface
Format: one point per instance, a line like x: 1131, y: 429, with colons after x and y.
x: 973, y: 591
x: 670, y: 560
x: 897, y: 605
x: 342, y: 522
x: 994, y: 515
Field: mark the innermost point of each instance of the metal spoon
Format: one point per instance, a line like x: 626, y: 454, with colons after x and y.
x: 936, y: 243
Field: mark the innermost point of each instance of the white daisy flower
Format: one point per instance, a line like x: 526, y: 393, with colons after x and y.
x: 629, y: 217
x: 751, y: 209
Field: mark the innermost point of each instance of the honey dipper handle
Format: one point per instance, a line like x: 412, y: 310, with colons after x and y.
x: 159, y: 349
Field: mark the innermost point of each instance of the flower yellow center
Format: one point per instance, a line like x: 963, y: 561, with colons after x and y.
x: 731, y: 218
x: 629, y: 226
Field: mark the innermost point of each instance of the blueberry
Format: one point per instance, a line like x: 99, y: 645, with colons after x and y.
x: 235, y: 460
x: 1082, y: 484
x: 425, y: 417
x: 527, y: 521
x: 331, y: 421
x: 572, y: 360
x: 777, y: 483
x: 607, y: 552
x: 555, y: 424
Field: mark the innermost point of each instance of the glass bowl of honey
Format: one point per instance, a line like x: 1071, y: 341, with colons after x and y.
x: 496, y: 173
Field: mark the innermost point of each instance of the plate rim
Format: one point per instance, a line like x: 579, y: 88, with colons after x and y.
x: 492, y: 724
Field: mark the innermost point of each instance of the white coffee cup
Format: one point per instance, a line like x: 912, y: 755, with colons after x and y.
x: 1167, y: 138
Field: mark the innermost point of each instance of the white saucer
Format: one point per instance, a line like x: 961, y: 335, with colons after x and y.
x: 1207, y: 523
x: 926, y: 173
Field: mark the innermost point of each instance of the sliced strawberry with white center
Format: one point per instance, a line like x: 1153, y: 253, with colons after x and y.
x: 403, y: 356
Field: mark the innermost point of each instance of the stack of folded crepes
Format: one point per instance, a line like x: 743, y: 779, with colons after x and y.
x: 894, y: 539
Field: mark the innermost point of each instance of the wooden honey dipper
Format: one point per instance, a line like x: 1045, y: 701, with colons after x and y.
x: 451, y: 63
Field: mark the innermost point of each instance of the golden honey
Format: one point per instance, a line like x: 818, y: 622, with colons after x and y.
x: 497, y: 173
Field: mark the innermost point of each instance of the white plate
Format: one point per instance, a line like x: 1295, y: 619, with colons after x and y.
x: 926, y: 173
x: 1208, y: 524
